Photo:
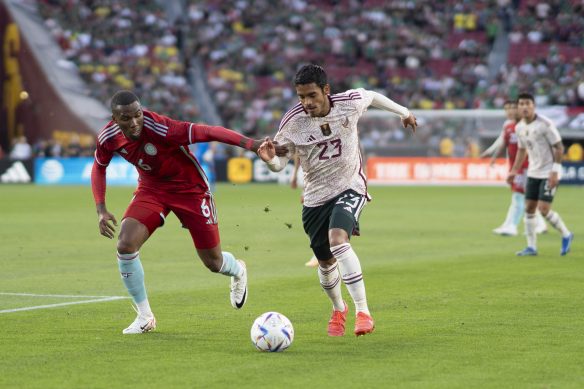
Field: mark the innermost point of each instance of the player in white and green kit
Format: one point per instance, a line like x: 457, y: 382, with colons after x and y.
x: 322, y: 130
x: 539, y: 139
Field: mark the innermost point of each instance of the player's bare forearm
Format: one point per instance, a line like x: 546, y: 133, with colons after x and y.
x: 558, y: 150
x: 519, y: 159
x: 101, y: 208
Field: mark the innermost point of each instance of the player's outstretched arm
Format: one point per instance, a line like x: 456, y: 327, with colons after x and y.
x: 495, y: 149
x: 382, y: 102
x: 98, y: 186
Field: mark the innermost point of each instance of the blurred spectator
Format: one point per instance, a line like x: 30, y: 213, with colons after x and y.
x: 575, y: 152
x: 119, y: 44
x: 21, y: 149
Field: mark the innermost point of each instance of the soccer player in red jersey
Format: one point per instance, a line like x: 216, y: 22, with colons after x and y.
x: 508, y: 139
x: 170, y: 179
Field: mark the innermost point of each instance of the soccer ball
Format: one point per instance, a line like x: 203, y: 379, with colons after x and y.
x: 272, y: 332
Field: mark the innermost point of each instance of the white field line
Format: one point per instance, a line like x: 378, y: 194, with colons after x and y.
x: 54, y: 295
x: 94, y: 299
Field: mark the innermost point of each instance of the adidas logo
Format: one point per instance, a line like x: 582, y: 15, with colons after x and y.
x: 15, y: 174
x: 310, y: 138
x: 123, y: 151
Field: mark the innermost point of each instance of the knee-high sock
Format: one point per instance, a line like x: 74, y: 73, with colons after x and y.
x: 231, y: 266
x: 351, y: 274
x: 541, y: 225
x: 133, y: 278
x: 330, y: 280
x: 530, y: 226
x: 557, y: 222
x: 518, y: 204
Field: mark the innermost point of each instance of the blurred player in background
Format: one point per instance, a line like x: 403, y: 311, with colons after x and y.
x: 170, y: 179
x: 508, y: 139
x: 539, y: 139
x: 322, y: 130
x: 312, y: 262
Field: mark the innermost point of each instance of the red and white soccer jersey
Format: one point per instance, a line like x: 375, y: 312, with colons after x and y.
x: 161, y: 154
x: 511, y: 142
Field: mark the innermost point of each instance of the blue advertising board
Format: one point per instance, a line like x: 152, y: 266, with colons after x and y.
x: 77, y: 171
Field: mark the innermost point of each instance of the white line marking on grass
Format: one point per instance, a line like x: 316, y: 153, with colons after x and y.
x: 95, y: 299
x: 56, y: 295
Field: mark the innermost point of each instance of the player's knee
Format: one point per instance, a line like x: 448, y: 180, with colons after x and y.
x: 127, y: 247
x: 337, y: 236
x: 544, y: 210
x: 336, y: 240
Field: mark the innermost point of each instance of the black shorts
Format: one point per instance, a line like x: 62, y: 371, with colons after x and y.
x: 537, y: 189
x: 340, y: 212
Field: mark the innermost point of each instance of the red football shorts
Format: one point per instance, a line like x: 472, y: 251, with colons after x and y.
x: 196, y: 212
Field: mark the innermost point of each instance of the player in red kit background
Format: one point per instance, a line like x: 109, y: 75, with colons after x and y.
x: 170, y: 180
x: 508, y: 139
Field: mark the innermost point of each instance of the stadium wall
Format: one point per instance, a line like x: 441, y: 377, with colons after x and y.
x: 381, y: 171
x: 38, y: 98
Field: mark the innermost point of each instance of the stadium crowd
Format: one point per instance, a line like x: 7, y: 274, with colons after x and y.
x: 423, y: 54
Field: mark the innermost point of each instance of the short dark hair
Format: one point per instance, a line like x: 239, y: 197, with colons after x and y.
x: 526, y: 96
x: 507, y: 102
x: 309, y: 74
x: 123, y: 97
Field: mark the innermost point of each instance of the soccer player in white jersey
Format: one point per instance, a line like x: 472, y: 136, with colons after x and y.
x: 322, y: 130
x: 539, y: 139
x: 508, y: 140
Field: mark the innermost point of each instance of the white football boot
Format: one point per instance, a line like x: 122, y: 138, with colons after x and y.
x: 238, y: 291
x: 509, y: 230
x: 140, y: 325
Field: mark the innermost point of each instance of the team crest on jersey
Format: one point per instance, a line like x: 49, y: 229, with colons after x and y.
x: 150, y: 149
x: 326, y: 129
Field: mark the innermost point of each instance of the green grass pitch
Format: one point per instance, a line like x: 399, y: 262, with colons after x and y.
x: 454, y: 307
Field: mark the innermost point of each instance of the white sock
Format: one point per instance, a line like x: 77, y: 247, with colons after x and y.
x: 230, y: 266
x: 330, y: 280
x: 144, y: 309
x: 557, y: 222
x: 530, y: 226
x: 351, y: 274
x: 540, y: 221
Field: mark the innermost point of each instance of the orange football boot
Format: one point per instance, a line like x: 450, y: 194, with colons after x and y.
x: 336, y: 325
x: 364, y: 324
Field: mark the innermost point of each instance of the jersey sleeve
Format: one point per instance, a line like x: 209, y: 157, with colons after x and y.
x: 103, y: 155
x: 552, y: 134
x: 282, y: 139
x: 180, y: 132
x: 361, y: 98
